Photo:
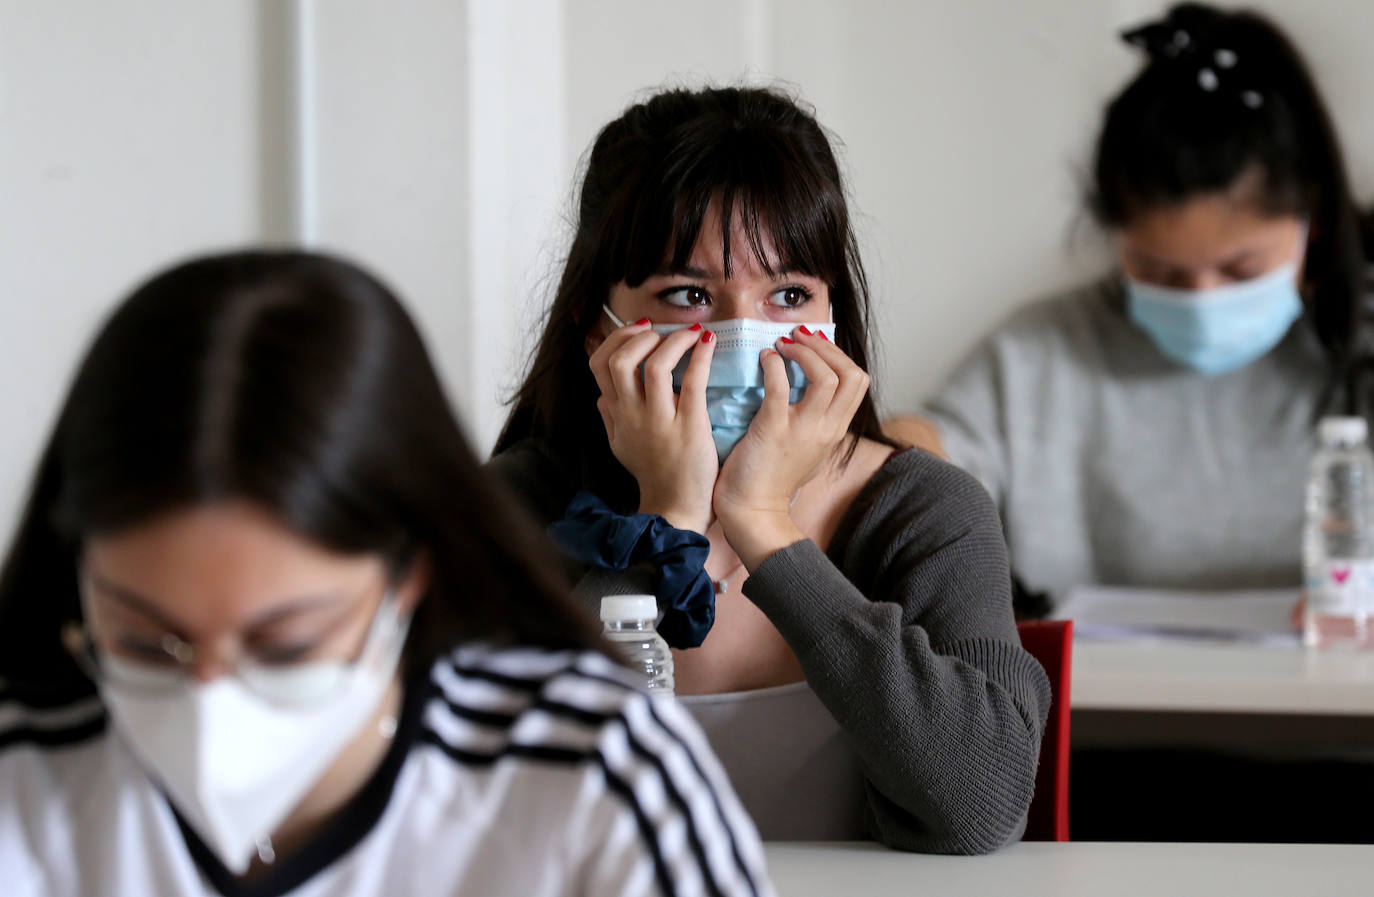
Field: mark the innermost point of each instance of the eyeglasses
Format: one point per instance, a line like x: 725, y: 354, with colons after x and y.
x: 167, y: 663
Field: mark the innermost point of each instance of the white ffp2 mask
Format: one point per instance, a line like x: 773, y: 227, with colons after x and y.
x: 234, y: 764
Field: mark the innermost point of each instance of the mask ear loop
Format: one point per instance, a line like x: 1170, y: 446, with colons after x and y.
x: 610, y: 314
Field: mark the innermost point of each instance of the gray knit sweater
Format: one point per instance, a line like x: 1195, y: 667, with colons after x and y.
x: 904, y: 631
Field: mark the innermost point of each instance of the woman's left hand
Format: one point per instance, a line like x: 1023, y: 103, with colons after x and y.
x: 786, y: 445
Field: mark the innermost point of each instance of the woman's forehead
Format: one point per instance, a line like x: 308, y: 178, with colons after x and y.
x: 1207, y: 231
x: 222, y: 562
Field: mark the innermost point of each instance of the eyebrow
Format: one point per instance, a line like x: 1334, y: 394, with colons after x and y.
x: 142, y: 605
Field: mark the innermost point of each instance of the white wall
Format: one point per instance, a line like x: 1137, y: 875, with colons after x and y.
x: 392, y: 141
x: 446, y: 133
x: 128, y: 138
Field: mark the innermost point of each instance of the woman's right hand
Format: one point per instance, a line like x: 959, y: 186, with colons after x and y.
x: 662, y: 439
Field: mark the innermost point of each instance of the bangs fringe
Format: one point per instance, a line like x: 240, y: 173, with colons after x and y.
x: 774, y: 199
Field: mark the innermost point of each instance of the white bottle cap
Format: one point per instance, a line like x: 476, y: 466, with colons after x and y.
x: 1342, y: 430
x: 627, y: 608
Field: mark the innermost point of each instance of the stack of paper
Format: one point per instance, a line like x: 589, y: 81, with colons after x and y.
x: 1102, y: 613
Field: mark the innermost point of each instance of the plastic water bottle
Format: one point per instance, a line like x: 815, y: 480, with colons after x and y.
x: 628, y: 623
x: 1338, y: 536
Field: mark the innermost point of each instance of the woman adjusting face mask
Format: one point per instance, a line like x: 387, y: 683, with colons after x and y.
x: 697, y: 424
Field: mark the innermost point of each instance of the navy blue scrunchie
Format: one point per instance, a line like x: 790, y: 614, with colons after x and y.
x: 597, y: 536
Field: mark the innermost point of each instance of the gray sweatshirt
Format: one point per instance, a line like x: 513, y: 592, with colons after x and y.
x: 1113, y: 465
x: 904, y: 631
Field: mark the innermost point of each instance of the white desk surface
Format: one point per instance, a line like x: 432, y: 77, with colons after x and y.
x: 1077, y: 869
x: 1125, y: 659
x: 1220, y: 677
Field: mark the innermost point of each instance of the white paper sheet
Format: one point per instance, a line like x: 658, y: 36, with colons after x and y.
x: 1107, y: 613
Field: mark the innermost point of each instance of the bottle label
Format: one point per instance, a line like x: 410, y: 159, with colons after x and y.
x: 1342, y: 588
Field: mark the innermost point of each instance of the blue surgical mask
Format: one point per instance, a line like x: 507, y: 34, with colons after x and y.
x: 734, y: 387
x: 1222, y: 329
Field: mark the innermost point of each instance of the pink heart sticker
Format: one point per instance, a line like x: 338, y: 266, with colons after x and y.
x: 1340, y: 575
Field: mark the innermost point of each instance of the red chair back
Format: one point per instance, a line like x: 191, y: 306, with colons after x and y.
x: 1051, y: 643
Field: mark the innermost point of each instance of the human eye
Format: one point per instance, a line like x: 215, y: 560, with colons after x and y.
x: 145, y: 649
x: 292, y: 645
x: 684, y: 296
x: 1245, y: 269
x: 790, y: 297
x: 285, y: 655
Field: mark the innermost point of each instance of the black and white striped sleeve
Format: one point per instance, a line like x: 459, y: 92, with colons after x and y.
x: 667, y: 820
x: 31, y: 802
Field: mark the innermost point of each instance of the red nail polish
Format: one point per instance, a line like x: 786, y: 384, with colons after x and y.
x: 641, y: 321
x: 695, y: 327
x: 787, y: 340
x: 708, y: 337
x: 823, y: 336
x: 803, y: 330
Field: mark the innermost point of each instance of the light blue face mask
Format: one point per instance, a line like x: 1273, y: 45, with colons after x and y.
x: 734, y: 388
x: 1218, y: 330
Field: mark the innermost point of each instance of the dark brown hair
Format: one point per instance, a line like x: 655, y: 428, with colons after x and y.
x: 650, y: 179
x: 296, y: 382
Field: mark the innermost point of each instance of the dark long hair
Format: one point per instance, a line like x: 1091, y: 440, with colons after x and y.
x: 1223, y: 94
x: 296, y: 382
x: 650, y: 178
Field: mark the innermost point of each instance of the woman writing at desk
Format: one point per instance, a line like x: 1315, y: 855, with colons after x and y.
x: 1153, y: 429
x: 840, y: 611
